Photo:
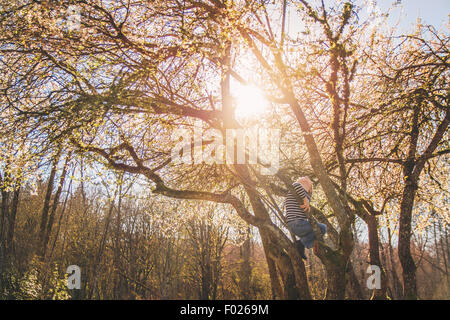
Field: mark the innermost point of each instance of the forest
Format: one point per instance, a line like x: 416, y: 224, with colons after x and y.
x: 152, y: 144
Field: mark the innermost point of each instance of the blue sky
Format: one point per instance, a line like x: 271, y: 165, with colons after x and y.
x: 403, y: 14
x: 434, y: 12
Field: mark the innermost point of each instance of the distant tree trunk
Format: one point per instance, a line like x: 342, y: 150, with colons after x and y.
x: 3, y: 222
x: 436, y: 246
x: 397, y: 284
x: 8, y: 215
x: 369, y: 215
x: 12, y: 222
x: 217, y: 264
x: 101, y: 249
x: 119, y: 279
x: 61, y: 215
x: 357, y: 251
x: 384, y: 261
x: 46, y: 207
x: 83, y: 191
x: 374, y: 255
x: 245, y: 268
x: 447, y: 248
x: 55, y: 204
x: 445, y: 253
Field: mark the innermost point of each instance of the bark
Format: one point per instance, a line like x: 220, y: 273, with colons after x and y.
x: 277, y: 291
x: 336, y: 267
x: 404, y: 241
x: 354, y: 283
x: 288, y: 276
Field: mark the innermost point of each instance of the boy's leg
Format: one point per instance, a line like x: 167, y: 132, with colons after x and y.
x: 308, y: 240
x: 301, y: 249
x: 323, y: 230
x: 303, y: 229
x: 296, y: 228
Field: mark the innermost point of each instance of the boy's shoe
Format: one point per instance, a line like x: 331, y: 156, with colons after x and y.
x: 301, y: 249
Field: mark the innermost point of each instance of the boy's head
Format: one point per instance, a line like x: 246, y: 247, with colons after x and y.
x: 306, y: 183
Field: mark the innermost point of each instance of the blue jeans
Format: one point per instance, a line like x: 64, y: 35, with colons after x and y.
x: 303, y: 229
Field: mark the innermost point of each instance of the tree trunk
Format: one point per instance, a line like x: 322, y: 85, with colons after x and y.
x: 277, y: 291
x: 354, y: 283
x: 335, y: 267
x: 397, y: 284
x: 404, y: 239
x: 374, y: 256
x: 8, y: 217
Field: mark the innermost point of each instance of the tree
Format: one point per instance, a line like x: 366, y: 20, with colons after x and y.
x: 413, y: 90
x: 117, y: 87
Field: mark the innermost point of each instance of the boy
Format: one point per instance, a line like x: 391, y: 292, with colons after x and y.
x: 297, y: 219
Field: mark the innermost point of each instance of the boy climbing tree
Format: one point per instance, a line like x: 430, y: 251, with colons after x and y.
x: 296, y: 216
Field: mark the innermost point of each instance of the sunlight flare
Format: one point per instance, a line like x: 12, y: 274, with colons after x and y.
x: 250, y: 102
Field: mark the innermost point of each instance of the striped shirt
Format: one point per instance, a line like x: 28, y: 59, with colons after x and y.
x: 292, y: 209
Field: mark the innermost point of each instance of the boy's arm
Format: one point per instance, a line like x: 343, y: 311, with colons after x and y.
x: 301, y: 192
x: 305, y: 205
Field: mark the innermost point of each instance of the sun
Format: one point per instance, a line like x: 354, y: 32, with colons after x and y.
x: 249, y: 102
